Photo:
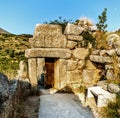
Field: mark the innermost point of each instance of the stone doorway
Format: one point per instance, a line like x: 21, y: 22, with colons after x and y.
x: 49, y: 76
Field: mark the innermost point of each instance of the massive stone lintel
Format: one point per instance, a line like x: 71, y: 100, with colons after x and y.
x: 48, y: 52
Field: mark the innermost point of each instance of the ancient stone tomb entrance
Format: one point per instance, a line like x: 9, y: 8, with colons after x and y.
x: 56, y: 75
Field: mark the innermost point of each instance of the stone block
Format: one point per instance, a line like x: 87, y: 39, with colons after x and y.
x: 74, y: 76
x: 71, y: 44
x: 95, y: 52
x: 111, y: 38
x: 116, y: 44
x: 110, y: 74
x: 32, y: 68
x: 118, y: 52
x: 60, y: 77
x: 48, y: 52
x: 108, y: 67
x: 90, y: 77
x: 113, y: 88
x: 80, y: 53
x: 92, y: 28
x: 81, y: 64
x: 111, y: 52
x: 90, y: 65
x: 63, y: 72
x: 49, y: 36
x: 100, y: 59
x: 40, y: 65
x: 71, y: 65
x: 74, y: 37
x: 102, y: 52
x: 23, y: 72
x: 103, y: 96
x: 73, y: 29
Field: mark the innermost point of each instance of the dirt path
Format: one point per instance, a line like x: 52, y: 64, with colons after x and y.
x: 62, y: 106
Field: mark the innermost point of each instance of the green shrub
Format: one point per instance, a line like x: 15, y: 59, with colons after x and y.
x: 11, y: 53
x: 59, y: 21
x: 112, y: 110
x: 88, y: 38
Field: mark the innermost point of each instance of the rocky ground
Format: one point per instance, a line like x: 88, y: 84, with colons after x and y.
x: 31, y: 106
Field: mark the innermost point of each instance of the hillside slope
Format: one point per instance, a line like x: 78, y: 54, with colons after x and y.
x: 3, y: 31
x: 12, y: 48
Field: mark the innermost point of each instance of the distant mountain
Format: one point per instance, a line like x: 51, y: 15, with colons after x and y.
x: 3, y: 31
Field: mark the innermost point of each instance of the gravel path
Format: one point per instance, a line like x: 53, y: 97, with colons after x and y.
x: 62, y: 106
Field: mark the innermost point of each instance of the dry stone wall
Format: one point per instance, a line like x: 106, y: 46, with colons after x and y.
x: 72, y: 66
x: 109, y: 58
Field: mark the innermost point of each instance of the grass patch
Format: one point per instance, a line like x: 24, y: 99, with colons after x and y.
x: 113, y: 109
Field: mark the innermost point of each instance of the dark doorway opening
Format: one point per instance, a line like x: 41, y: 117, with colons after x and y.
x: 49, y: 76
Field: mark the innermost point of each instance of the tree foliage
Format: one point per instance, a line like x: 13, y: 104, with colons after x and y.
x: 101, y: 25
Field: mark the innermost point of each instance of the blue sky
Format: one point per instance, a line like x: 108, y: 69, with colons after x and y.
x: 21, y: 16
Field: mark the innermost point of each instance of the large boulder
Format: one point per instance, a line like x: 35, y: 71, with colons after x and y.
x: 4, y: 88
x: 100, y: 59
x: 49, y: 36
x: 72, y: 29
x: 113, y: 88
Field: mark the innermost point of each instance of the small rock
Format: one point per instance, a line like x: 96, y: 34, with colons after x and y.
x: 113, y: 88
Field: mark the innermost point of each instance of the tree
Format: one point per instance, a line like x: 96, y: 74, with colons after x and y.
x: 102, y: 19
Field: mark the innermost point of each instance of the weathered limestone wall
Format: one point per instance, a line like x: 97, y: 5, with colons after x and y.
x: 72, y: 65
x: 109, y: 58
